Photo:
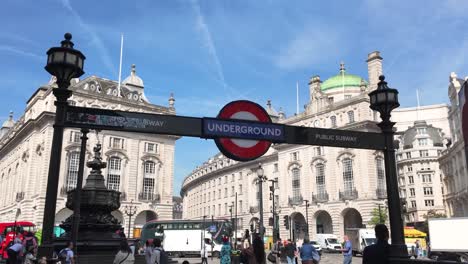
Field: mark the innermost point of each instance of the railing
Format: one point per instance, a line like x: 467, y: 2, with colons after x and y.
x: 321, y: 197
x: 350, y: 194
x: 19, y: 196
x: 253, y: 209
x: 295, y: 200
x: 151, y: 197
x: 381, y: 193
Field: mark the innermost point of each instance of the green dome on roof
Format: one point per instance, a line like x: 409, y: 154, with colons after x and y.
x: 342, y: 79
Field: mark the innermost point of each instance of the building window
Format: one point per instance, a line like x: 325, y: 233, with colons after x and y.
x: 422, y: 141
x: 233, y: 191
x: 421, y: 131
x: 320, y: 178
x: 348, y: 178
x: 240, y: 175
x: 209, y: 196
x: 330, y: 100
x: 439, y: 152
x: 232, y: 177
x: 426, y: 178
x: 408, y: 155
x: 150, y: 169
x: 113, y: 173
x: 219, y: 181
x: 219, y: 194
x: 350, y: 116
x: 225, y: 208
x: 423, y: 153
x: 413, y: 204
x: 75, y: 136
x: 429, y: 203
x: 333, y: 121
x: 72, y: 173
x: 219, y: 209
x: 296, y: 183
x: 225, y: 192
x: 412, y: 192
x: 275, y: 167
x: 380, y: 173
x: 151, y: 147
x: 409, y: 168
x: 428, y: 191
x: 225, y: 179
x: 240, y: 188
x: 295, y: 156
x: 411, y: 179
x: 318, y: 151
x: 214, y: 209
x: 148, y: 188
x: 116, y: 143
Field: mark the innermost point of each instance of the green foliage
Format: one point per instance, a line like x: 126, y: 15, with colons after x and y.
x: 378, y: 217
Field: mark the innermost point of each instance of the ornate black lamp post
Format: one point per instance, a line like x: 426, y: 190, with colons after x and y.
x: 272, y: 193
x: 384, y: 100
x: 65, y: 63
x: 130, y: 210
x: 260, y: 180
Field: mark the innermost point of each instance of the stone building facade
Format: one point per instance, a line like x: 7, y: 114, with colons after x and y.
x: 141, y: 166
x: 453, y: 160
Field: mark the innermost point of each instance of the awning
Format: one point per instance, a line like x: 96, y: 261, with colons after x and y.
x: 411, y: 232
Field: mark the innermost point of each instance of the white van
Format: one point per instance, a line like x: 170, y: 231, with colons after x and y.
x: 360, y: 238
x: 328, y: 242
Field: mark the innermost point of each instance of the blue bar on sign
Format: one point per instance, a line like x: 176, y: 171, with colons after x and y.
x: 243, y: 130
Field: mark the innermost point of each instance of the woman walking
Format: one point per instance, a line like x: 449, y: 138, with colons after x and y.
x: 125, y: 254
x: 226, y: 252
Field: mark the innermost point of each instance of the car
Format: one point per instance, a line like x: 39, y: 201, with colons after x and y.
x: 317, y: 247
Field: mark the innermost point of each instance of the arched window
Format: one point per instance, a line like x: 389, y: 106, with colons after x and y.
x: 148, y: 180
x: 333, y: 121
x: 72, y: 171
x: 350, y: 116
x: 320, y: 178
x: 380, y: 173
x: 296, y: 183
x: 113, y: 173
x: 348, y: 179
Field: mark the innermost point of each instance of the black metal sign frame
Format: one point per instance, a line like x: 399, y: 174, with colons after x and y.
x: 103, y: 119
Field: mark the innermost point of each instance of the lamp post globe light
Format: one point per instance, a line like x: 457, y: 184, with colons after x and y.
x: 130, y: 210
x: 65, y: 63
x: 384, y: 100
x: 260, y: 180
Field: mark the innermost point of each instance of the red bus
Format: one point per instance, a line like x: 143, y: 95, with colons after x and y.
x: 8, y: 234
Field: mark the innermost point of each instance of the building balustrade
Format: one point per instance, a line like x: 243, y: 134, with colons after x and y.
x: 19, y: 196
x: 381, y: 193
x: 350, y: 194
x: 143, y: 196
x: 295, y: 200
x: 253, y: 209
x: 320, y: 197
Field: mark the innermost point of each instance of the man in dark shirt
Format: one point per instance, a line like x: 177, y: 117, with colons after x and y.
x: 290, y: 252
x: 377, y: 253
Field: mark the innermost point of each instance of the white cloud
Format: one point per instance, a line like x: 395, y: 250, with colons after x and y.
x: 311, y: 46
x: 96, y: 40
x: 15, y: 50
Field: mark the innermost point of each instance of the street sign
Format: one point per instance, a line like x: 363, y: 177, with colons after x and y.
x: 247, y: 148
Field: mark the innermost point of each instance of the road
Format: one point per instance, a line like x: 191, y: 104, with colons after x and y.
x: 327, y: 258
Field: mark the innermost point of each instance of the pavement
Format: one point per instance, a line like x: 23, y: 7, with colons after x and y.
x: 327, y: 258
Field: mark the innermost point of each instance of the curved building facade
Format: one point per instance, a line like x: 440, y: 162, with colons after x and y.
x: 341, y: 186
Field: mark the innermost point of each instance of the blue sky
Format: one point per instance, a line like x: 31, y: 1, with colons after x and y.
x: 211, y: 52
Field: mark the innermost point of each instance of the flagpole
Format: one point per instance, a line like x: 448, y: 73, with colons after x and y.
x: 120, y: 65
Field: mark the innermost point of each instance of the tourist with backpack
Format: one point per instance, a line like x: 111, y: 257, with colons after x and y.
x: 15, y: 252
x: 66, y: 255
x: 159, y: 255
x: 125, y: 254
x: 29, y: 241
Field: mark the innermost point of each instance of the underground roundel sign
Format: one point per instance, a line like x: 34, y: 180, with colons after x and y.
x: 236, y: 136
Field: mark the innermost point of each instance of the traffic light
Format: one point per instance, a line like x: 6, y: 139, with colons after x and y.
x: 286, y: 221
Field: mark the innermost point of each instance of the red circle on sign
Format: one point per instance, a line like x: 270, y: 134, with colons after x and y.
x: 228, y: 146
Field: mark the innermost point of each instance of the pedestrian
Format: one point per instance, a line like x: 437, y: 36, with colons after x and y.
x: 255, y: 254
x: 309, y: 254
x: 125, y: 255
x: 148, y: 251
x: 417, y: 249
x: 30, y: 257
x: 246, y: 242
x: 347, y: 251
x: 66, y: 255
x: 30, y: 241
x: 277, y: 250
x: 204, y: 253
x: 378, y: 252
x: 225, y: 251
x: 158, y: 254
x: 290, y: 252
x: 15, y: 252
